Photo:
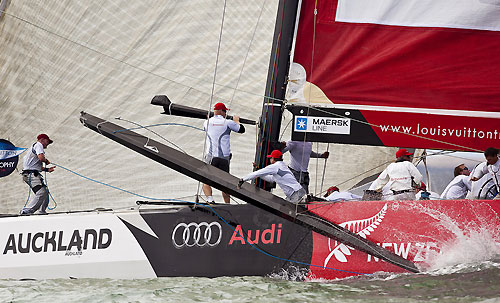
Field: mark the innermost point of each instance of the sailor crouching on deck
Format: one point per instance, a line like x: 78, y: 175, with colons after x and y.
x: 402, y: 174
x: 460, y: 185
x: 278, y: 172
x: 32, y: 164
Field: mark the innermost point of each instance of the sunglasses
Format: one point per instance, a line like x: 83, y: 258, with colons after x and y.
x: 465, y: 168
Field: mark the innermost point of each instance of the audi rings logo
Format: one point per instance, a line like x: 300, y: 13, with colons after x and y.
x: 199, y: 234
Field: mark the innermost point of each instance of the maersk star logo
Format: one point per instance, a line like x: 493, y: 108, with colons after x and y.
x: 301, y: 124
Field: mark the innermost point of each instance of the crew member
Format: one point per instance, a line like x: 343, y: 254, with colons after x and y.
x: 300, y: 153
x: 402, y: 174
x: 491, y: 166
x: 334, y: 194
x: 278, y: 172
x: 32, y: 164
x: 460, y: 185
x: 218, y: 130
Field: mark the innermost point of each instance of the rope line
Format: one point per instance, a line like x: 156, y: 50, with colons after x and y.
x: 200, y: 187
x: 219, y: 216
x: 146, y: 127
x: 159, y: 124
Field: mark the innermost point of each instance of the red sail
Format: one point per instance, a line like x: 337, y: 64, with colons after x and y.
x: 419, y: 79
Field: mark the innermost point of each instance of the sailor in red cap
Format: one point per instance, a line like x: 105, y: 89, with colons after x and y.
x: 334, y: 194
x: 402, y: 175
x: 218, y: 150
x: 32, y: 164
x: 278, y: 172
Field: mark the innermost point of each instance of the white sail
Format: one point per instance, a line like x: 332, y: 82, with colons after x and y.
x: 109, y: 59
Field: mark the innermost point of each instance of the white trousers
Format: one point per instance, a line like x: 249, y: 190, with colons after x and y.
x: 40, y: 199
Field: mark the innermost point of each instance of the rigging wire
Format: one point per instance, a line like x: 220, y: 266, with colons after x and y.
x: 158, y: 124
x: 324, y: 169
x: 304, y: 140
x: 267, y: 100
x: 309, y: 92
x: 114, y: 58
x: 213, y: 89
x: 265, y: 96
x: 246, y: 55
x: 146, y: 127
x: 156, y: 74
x: 397, y: 131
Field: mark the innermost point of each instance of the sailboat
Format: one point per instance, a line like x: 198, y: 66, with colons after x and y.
x: 353, y: 80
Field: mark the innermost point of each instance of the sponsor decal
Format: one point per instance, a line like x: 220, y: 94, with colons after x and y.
x: 402, y: 249
x: 365, y: 227
x: 9, y: 156
x: 197, y: 234
x: 267, y: 236
x: 326, y: 125
x: 48, y: 241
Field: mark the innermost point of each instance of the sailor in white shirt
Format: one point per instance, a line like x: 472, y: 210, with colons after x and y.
x: 460, y: 185
x: 402, y: 175
x: 335, y: 195
x: 300, y: 153
x: 32, y: 164
x: 278, y: 172
x: 218, y: 154
x: 491, y: 166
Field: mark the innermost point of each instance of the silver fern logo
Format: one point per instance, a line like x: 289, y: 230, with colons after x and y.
x: 362, y: 228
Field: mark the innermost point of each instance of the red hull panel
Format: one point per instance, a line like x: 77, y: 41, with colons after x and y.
x: 421, y: 231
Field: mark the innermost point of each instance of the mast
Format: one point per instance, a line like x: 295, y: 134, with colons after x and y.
x: 279, y: 63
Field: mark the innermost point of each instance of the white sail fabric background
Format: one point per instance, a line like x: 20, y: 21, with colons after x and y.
x: 110, y: 58
x: 466, y: 14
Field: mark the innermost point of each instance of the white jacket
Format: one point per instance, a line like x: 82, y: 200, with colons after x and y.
x: 494, y: 171
x: 279, y: 173
x: 458, y: 188
x: 218, y: 130
x: 343, y: 196
x: 400, y: 175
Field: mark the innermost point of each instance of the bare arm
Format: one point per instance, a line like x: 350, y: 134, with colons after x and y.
x: 318, y: 155
x: 236, y: 119
x: 42, y: 158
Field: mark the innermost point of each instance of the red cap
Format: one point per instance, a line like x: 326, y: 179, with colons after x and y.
x: 331, y: 189
x: 44, y: 136
x: 403, y: 152
x: 275, y: 154
x: 220, y: 106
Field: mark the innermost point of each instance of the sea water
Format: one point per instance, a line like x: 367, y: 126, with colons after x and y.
x: 478, y: 282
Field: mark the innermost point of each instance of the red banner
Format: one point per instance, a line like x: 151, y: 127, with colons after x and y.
x: 414, y: 74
